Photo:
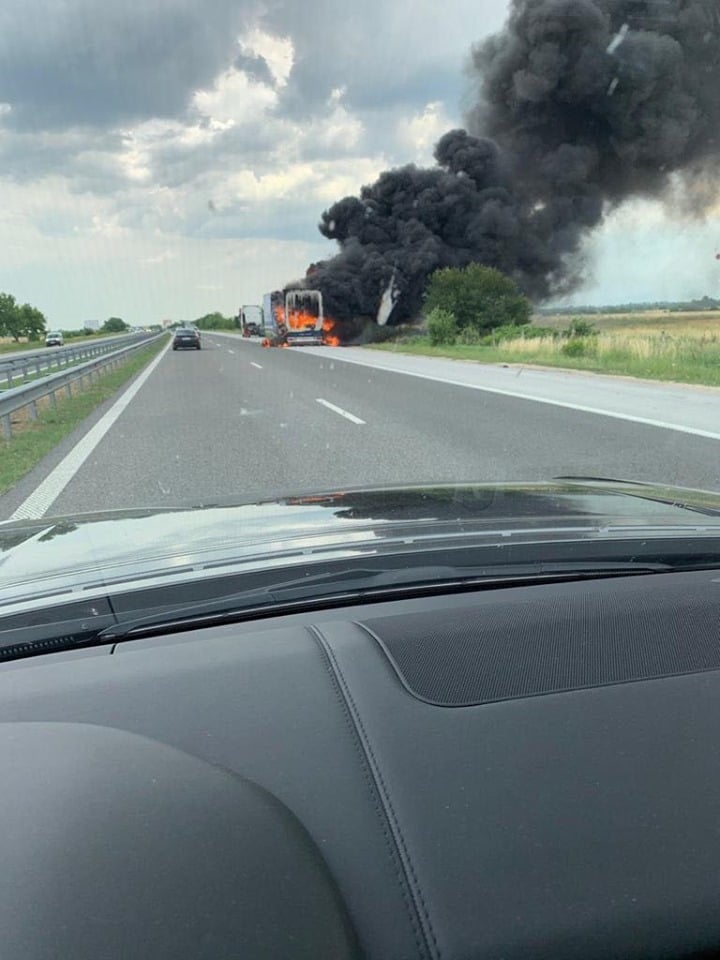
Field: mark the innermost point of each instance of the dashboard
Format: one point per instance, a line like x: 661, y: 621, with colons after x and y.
x: 517, y: 772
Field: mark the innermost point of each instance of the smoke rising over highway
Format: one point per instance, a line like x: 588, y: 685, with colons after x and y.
x: 578, y: 106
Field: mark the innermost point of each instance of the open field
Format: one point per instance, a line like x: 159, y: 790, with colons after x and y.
x: 648, y: 320
x: 679, y: 347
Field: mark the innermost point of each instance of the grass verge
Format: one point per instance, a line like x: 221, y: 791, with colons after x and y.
x: 34, y: 439
x: 684, y: 356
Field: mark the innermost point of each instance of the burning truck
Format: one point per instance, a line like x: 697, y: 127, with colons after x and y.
x: 295, y: 318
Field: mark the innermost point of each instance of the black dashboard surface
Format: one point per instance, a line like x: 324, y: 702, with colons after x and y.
x: 520, y: 772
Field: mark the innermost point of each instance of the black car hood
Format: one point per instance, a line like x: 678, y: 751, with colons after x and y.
x: 91, y: 552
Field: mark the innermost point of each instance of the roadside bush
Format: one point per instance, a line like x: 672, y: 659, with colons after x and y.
x: 442, y: 326
x: 579, y: 327
x: 478, y: 296
x: 579, y: 347
x: 470, y: 337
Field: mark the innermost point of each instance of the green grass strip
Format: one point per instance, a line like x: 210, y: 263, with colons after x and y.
x: 700, y: 367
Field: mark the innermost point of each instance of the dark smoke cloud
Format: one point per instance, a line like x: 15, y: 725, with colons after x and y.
x: 580, y: 104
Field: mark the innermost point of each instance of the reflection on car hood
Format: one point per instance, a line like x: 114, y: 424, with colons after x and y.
x: 89, y: 552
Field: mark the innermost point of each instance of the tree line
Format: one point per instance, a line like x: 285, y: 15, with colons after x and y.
x: 18, y: 320
x: 216, y: 321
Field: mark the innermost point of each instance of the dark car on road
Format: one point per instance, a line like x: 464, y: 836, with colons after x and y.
x: 186, y: 337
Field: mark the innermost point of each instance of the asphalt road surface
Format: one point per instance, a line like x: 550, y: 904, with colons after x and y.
x: 236, y: 422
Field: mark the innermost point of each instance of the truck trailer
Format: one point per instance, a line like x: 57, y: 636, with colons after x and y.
x: 304, y: 318
x: 294, y: 318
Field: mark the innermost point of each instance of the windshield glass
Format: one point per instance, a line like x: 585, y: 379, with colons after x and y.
x: 405, y: 244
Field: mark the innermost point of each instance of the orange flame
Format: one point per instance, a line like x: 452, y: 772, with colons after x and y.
x: 329, y: 336
x: 300, y: 320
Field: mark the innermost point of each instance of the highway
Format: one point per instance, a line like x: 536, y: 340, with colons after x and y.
x: 236, y: 422
x: 40, y: 348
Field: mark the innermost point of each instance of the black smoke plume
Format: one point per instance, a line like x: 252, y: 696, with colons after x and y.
x: 579, y: 105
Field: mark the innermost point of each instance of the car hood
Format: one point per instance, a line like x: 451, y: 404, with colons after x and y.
x: 54, y: 557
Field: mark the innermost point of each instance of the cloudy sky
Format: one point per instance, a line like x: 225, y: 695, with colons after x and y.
x: 168, y: 158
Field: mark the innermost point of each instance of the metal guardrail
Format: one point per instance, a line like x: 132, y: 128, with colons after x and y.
x: 28, y: 394
x: 23, y: 367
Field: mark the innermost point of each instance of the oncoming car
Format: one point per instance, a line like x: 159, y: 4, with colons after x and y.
x: 54, y: 338
x: 186, y: 338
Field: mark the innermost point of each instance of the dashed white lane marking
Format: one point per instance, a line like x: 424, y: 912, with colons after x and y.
x: 256, y: 365
x: 45, y: 494
x: 343, y: 413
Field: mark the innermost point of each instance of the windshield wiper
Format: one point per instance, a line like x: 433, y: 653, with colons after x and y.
x: 668, y: 501
x: 308, y: 593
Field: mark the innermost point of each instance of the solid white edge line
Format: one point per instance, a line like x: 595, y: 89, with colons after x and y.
x: 343, y: 413
x: 256, y: 365
x: 45, y: 494
x: 598, y: 411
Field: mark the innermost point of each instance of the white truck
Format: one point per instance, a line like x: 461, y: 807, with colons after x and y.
x: 294, y: 318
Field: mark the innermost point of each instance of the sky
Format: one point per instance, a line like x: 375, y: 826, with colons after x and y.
x: 164, y: 160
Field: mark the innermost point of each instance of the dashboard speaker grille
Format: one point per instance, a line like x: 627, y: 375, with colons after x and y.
x: 527, y: 642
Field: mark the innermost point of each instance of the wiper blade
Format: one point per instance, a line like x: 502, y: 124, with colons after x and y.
x: 307, y: 593
x: 668, y: 501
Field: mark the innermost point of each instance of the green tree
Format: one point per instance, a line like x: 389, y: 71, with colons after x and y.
x: 114, y: 325
x: 478, y: 296
x: 20, y: 320
x: 32, y: 321
x: 215, y: 321
x: 8, y: 316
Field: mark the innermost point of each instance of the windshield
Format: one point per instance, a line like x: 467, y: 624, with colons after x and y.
x: 295, y: 249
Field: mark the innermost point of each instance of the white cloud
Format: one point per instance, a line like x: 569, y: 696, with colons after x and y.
x: 421, y: 131
x: 234, y: 99
x: 277, y: 52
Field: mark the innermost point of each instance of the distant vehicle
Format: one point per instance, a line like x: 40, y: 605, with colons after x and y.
x: 251, y: 319
x: 273, y: 310
x: 54, y: 338
x: 186, y: 338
